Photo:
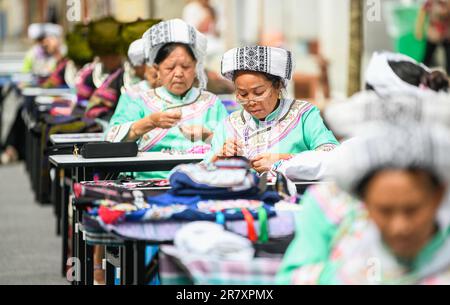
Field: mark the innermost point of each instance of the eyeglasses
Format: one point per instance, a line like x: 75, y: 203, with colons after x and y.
x: 257, y: 99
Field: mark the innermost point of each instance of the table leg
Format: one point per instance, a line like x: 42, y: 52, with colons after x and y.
x: 80, y: 245
x: 110, y: 270
x: 89, y: 272
x: 64, y: 201
x: 139, y: 268
x: 126, y: 263
x: 57, y: 185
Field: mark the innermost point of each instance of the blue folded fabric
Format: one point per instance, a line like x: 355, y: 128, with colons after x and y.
x: 167, y: 199
x: 193, y: 214
x: 183, y: 185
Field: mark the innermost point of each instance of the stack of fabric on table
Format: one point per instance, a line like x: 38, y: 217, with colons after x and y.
x: 204, y: 254
x: 226, y: 192
x: 222, y: 215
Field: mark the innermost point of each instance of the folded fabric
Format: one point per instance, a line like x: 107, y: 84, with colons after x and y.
x: 213, y: 176
x: 195, y: 179
x: 179, y: 268
x: 109, y: 216
x: 211, y: 240
x: 282, y: 225
x: 100, y: 192
x: 167, y: 207
x: 195, y: 208
x: 60, y: 111
x: 116, y: 190
x: 170, y: 199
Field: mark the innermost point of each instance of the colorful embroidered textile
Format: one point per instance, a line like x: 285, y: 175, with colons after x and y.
x: 209, y: 271
x: 199, y: 179
x: 281, y: 225
x: 174, y: 208
x: 103, y: 101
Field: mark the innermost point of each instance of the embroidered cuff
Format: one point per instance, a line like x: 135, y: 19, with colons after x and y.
x: 118, y: 133
x: 326, y: 147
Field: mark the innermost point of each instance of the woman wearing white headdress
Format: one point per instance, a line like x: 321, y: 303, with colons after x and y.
x: 43, y: 56
x: 396, y: 236
x: 391, y: 73
x: 144, y: 76
x: 176, y: 115
x: 326, y: 208
x: 270, y: 127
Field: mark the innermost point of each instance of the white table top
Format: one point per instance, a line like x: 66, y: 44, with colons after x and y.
x: 76, y: 138
x: 147, y: 158
x: 10, y: 66
x: 42, y: 91
x: 42, y: 100
x: 5, y: 55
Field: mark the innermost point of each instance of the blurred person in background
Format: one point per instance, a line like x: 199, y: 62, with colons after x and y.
x: 42, y: 58
x: 437, y: 12
x: 99, y: 83
x: 136, y: 69
x: 41, y: 61
x: 387, y: 222
x: 390, y: 73
x: 78, y: 55
x: 326, y: 207
x: 202, y: 15
x: 146, y: 77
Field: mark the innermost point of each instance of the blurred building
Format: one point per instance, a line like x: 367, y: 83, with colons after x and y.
x: 317, y: 31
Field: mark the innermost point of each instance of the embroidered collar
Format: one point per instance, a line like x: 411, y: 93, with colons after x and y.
x: 98, y: 74
x: 422, y: 258
x: 277, y: 115
x: 70, y: 74
x: 190, y: 97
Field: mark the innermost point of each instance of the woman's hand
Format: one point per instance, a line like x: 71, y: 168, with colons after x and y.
x: 196, y: 133
x: 164, y: 120
x: 230, y: 148
x: 264, y: 162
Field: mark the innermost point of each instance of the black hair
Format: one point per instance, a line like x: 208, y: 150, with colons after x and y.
x: 369, y: 87
x: 168, y: 48
x: 277, y: 82
x: 432, y: 180
x: 416, y: 75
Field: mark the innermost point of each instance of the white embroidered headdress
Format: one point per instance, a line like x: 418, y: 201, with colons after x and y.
x: 136, y: 53
x: 270, y: 60
x: 177, y: 31
x: 383, y: 79
x: 344, y: 117
x: 400, y: 146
